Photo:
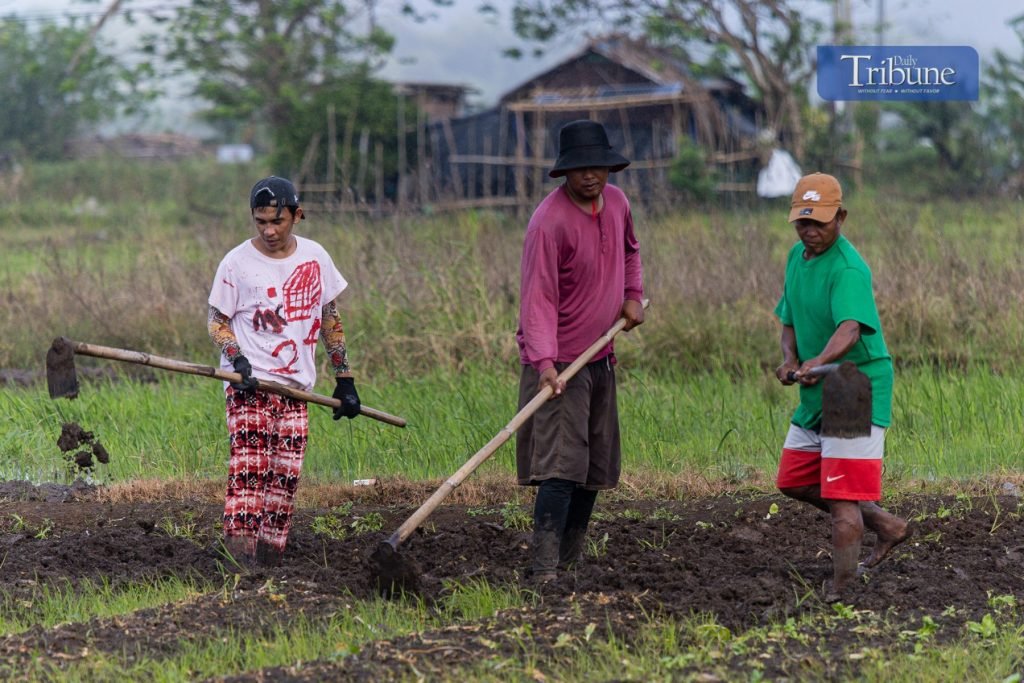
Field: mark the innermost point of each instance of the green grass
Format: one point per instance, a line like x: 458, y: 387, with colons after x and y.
x: 660, y: 648
x: 807, y: 648
x: 299, y: 640
x: 441, y: 292
x: 723, y: 426
x: 54, y: 604
x: 670, y: 651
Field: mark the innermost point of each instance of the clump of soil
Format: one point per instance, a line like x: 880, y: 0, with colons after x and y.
x: 100, y: 452
x: 79, y: 447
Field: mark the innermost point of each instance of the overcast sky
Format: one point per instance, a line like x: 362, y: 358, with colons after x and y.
x: 463, y: 46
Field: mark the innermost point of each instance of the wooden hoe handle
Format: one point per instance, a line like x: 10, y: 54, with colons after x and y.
x: 403, y: 532
x: 149, y: 359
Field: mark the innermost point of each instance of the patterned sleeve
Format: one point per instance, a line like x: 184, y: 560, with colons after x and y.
x: 219, y: 327
x: 333, y: 336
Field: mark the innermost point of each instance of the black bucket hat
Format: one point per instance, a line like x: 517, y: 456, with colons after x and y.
x: 584, y: 144
x: 273, y: 191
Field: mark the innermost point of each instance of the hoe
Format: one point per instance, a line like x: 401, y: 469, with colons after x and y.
x: 845, y: 398
x: 62, y: 381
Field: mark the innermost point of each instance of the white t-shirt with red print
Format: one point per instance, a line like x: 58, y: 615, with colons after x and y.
x: 275, y: 307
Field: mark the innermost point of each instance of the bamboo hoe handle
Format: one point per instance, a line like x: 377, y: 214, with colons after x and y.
x: 141, y: 358
x: 403, y: 532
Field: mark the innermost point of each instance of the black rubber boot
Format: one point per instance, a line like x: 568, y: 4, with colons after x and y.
x: 549, y: 516
x: 545, y: 556
x: 574, y: 537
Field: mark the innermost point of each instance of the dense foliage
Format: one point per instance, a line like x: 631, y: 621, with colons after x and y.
x: 57, y: 82
x: 269, y: 70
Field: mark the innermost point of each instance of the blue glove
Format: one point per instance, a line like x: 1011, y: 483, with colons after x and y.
x: 346, y: 393
x: 244, y: 368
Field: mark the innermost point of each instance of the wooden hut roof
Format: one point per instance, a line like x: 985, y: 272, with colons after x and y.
x: 640, y: 64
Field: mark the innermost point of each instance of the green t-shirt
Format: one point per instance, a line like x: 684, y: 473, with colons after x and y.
x: 817, y: 297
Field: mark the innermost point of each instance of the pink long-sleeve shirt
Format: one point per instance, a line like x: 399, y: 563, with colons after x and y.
x: 577, y: 271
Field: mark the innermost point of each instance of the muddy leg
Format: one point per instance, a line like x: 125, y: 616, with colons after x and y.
x: 240, y: 521
x: 581, y: 506
x: 242, y: 549
x: 550, y: 512
x: 890, y: 529
x: 847, y: 533
x: 807, y: 494
x: 276, y: 522
x: 268, y: 555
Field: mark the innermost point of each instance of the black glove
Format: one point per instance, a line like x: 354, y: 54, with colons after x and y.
x: 243, y: 368
x: 346, y: 393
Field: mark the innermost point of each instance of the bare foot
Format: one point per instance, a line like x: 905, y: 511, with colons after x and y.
x: 833, y: 593
x: 887, y: 540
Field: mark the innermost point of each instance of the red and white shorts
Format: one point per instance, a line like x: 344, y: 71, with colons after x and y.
x: 846, y: 469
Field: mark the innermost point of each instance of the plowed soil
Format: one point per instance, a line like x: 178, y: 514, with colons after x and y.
x: 728, y: 556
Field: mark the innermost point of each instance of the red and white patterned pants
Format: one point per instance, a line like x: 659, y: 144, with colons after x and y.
x: 268, y: 443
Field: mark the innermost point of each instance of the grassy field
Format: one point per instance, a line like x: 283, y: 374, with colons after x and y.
x: 662, y: 649
x: 717, y: 426
x: 432, y: 308
x: 430, y: 316
x: 129, y: 264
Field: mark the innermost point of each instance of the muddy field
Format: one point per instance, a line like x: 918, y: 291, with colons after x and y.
x: 736, y: 557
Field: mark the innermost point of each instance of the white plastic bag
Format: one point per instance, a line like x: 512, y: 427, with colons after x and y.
x: 779, y: 177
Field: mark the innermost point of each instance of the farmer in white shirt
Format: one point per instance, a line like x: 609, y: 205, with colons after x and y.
x: 271, y: 300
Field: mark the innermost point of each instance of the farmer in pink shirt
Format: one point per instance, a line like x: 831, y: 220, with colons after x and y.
x: 581, y: 272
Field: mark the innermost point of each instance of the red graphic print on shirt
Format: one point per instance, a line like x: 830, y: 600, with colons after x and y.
x: 286, y: 350
x: 310, y: 340
x: 269, y: 319
x: 302, y: 291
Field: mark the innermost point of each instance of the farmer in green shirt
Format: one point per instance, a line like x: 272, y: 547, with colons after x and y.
x: 828, y: 315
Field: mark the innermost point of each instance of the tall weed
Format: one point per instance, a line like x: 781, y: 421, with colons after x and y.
x: 133, y: 267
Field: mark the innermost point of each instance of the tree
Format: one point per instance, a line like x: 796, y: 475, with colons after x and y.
x: 1003, y: 111
x: 953, y: 131
x: 359, y: 103
x: 261, y: 62
x: 56, y: 82
x: 690, y: 175
x: 961, y: 147
x: 768, y: 41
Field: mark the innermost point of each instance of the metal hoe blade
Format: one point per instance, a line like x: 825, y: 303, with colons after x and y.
x: 394, y: 574
x: 846, y: 403
x: 61, y: 379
